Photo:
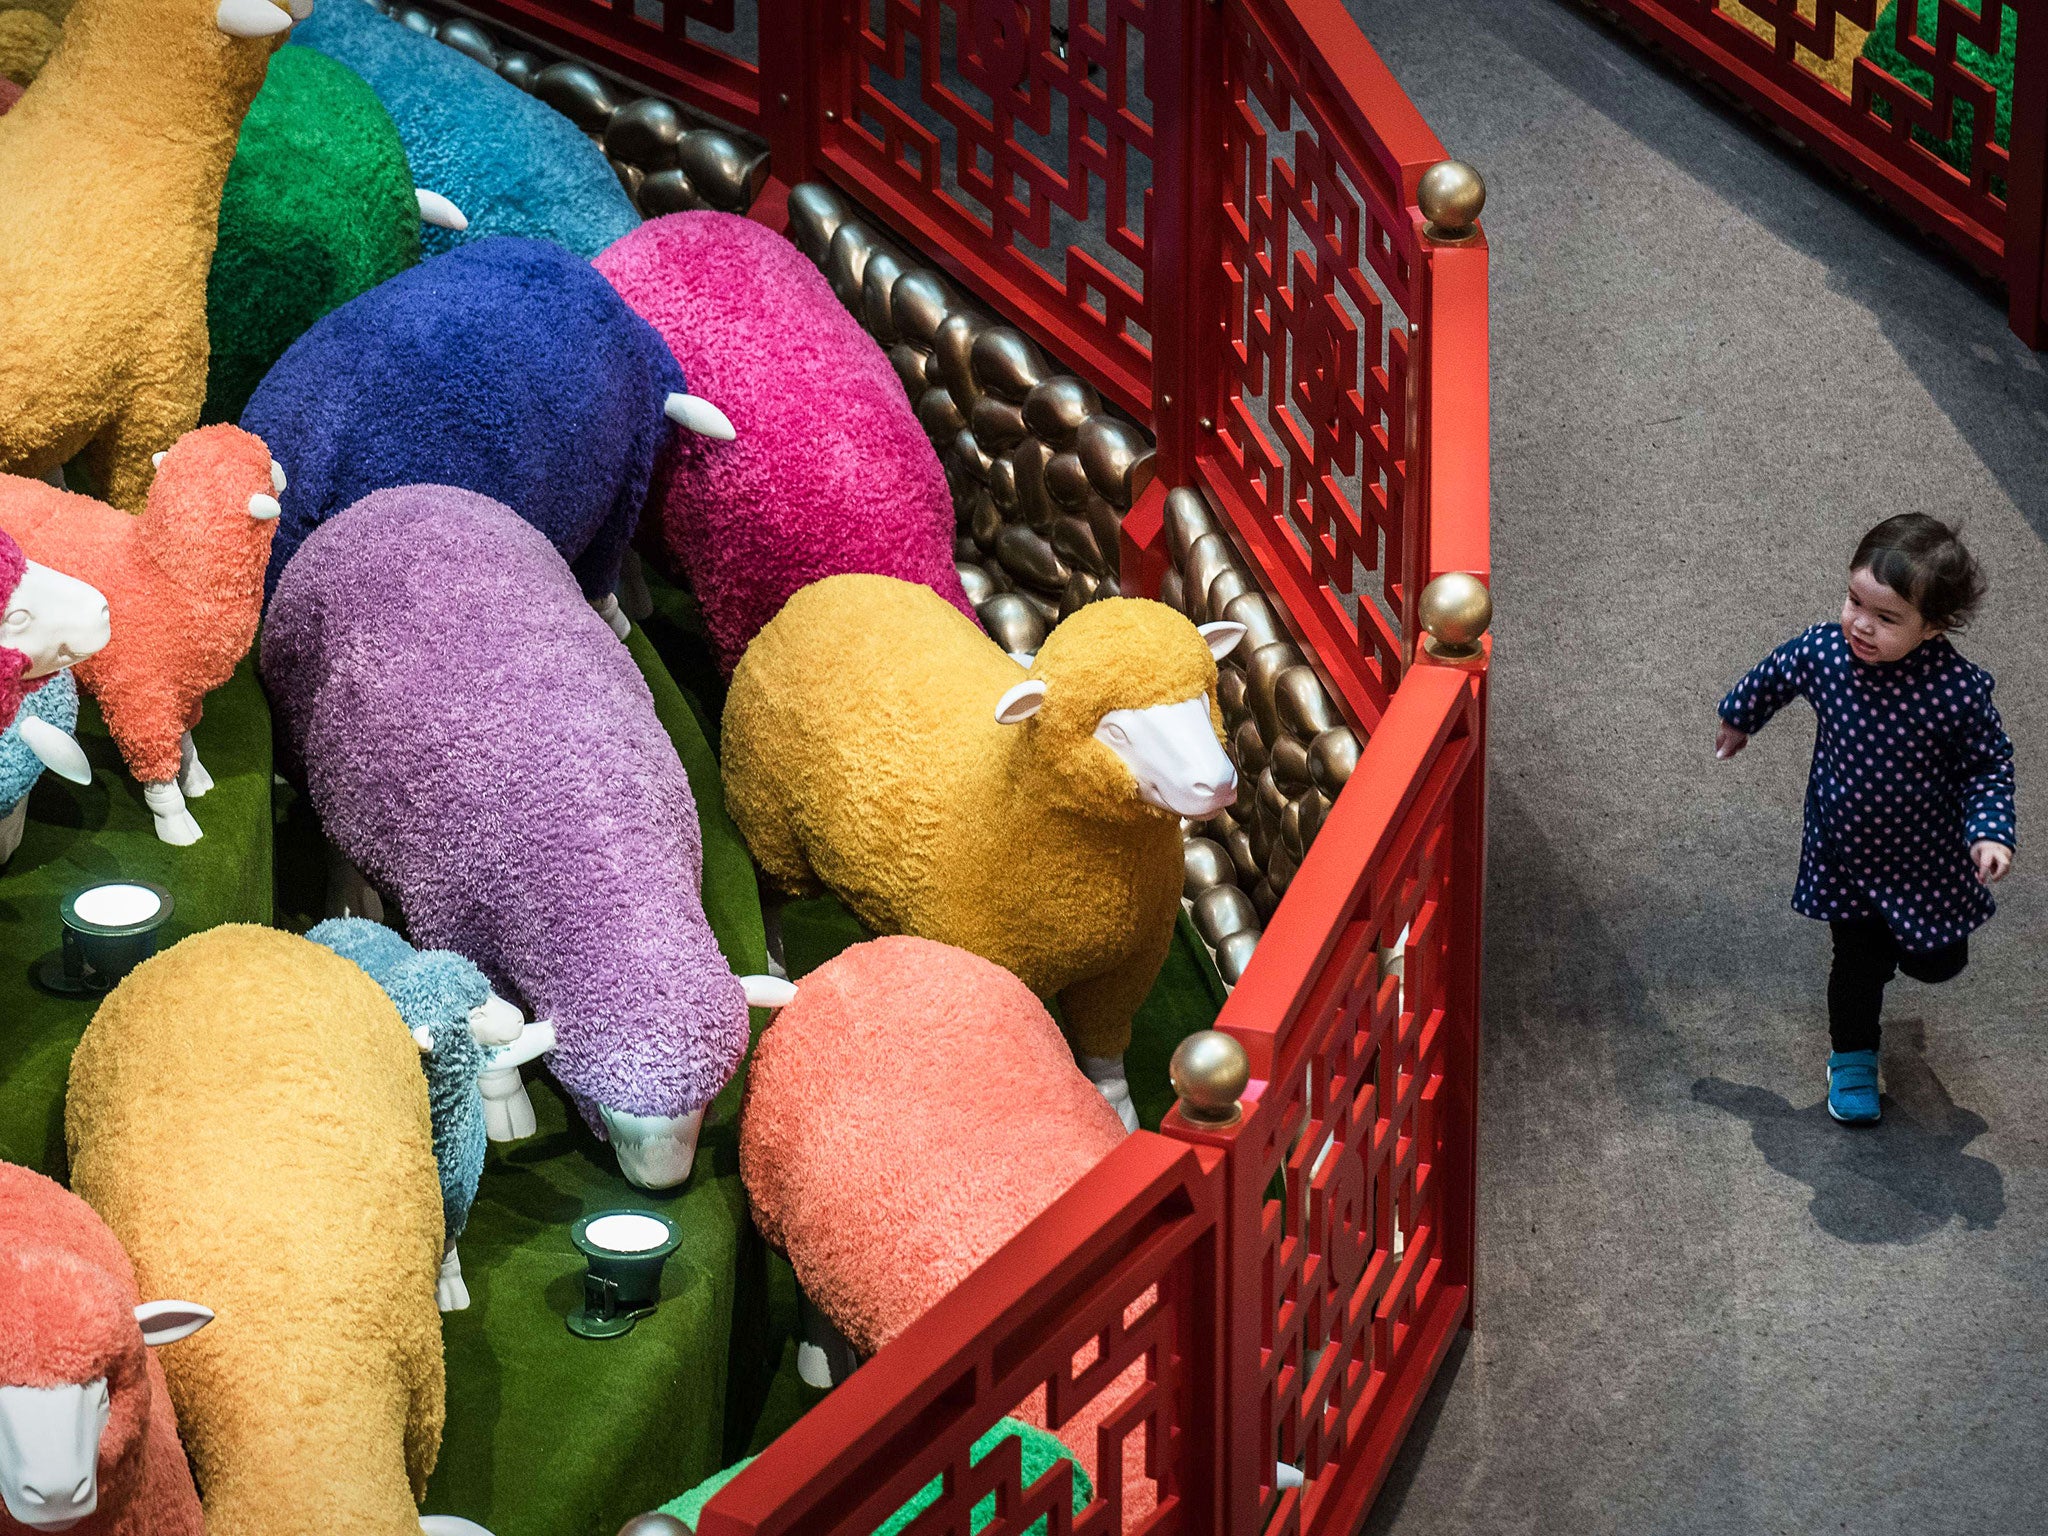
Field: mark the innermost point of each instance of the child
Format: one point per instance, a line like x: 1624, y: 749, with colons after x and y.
x: 1909, y: 813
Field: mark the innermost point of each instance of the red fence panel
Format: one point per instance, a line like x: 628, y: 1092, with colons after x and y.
x: 1102, y: 1313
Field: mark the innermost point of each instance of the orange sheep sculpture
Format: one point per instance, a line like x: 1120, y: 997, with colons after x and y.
x: 184, y: 587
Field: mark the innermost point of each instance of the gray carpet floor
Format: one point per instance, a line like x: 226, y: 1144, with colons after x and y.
x: 1703, y: 1307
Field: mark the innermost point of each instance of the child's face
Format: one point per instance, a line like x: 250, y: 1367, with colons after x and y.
x: 1880, y: 624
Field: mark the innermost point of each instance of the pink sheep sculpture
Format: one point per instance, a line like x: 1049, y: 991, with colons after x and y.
x: 88, y: 1438
x: 868, y: 1144
x: 184, y: 582
x: 830, y: 472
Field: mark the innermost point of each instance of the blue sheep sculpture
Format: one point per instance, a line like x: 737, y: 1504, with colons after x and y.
x: 509, y: 368
x: 55, y: 704
x: 513, y: 164
x: 446, y: 1004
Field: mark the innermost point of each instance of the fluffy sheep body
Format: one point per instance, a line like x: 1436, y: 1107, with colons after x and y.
x: 478, y: 749
x: 247, y: 1114
x: 507, y: 367
x: 184, y: 584
x: 809, y: 489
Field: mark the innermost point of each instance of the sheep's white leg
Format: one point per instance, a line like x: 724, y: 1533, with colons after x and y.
x: 349, y: 894
x: 636, y: 602
x: 174, y: 824
x: 450, y: 1525
x: 193, y: 779
x: 771, y: 923
x: 12, y: 825
x: 508, y: 1107
x: 824, y: 1356
x: 608, y: 609
x: 1107, y: 1074
x: 450, y: 1294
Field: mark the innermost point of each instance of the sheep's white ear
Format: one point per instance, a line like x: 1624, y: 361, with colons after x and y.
x: 768, y: 991
x: 156, y: 460
x: 1222, y: 636
x: 251, y: 18
x: 439, y: 212
x: 277, y: 480
x: 166, y: 1322
x: 423, y: 1037
x: 693, y: 413
x: 264, y: 508
x: 58, y: 750
x: 1020, y: 703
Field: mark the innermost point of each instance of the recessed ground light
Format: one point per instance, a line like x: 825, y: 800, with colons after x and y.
x: 109, y: 929
x: 625, y: 1252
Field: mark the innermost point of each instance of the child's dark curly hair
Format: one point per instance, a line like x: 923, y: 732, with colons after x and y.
x: 1920, y: 558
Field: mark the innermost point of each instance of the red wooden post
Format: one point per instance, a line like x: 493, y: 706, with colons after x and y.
x: 2026, y: 243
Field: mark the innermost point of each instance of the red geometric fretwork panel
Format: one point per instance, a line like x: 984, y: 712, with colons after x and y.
x: 1025, y: 126
x: 1317, y: 412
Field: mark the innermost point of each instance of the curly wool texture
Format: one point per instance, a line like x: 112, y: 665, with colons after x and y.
x: 56, y: 702
x: 318, y: 208
x: 68, y: 1293
x: 866, y: 1144
x: 478, y: 744
x: 183, y: 583
x: 886, y: 779
x: 106, y: 350
x: 434, y: 990
x: 511, y: 163
x: 830, y: 472
x: 508, y: 368
x: 246, y: 1113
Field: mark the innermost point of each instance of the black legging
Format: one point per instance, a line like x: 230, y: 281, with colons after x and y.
x: 1866, y: 955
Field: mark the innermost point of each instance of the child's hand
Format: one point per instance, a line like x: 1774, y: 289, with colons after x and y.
x: 1729, y: 741
x: 1992, y: 860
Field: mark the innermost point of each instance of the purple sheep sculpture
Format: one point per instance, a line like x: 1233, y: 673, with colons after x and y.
x: 831, y: 474
x: 478, y: 750
x: 507, y: 367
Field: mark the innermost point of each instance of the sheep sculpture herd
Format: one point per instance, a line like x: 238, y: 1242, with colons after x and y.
x: 445, y: 443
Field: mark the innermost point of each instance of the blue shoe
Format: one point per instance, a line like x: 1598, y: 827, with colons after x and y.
x: 1852, y: 1087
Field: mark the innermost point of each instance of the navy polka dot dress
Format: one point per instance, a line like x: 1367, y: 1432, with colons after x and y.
x: 1910, y: 767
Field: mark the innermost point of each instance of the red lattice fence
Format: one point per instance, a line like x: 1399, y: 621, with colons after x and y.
x: 1209, y: 210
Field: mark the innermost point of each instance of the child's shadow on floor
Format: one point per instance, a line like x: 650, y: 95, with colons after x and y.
x: 1896, y: 1182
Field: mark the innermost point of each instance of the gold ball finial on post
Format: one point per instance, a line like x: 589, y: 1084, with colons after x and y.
x: 1450, y: 196
x: 1455, y: 611
x: 654, y: 1523
x: 1209, y: 1072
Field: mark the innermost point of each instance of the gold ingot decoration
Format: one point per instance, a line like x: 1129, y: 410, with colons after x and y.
x: 1209, y: 1072
x: 1450, y: 195
x: 1455, y: 610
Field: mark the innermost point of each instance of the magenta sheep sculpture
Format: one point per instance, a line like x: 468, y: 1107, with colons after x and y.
x: 88, y: 1437
x: 477, y: 748
x: 830, y: 473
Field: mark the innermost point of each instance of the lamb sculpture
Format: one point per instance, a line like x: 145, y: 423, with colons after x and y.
x: 475, y: 744
x: 939, y: 788
x: 184, y: 583
x: 88, y: 1440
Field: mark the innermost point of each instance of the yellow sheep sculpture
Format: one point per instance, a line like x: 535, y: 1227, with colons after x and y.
x: 877, y: 743
x: 111, y: 168
x: 248, y: 1114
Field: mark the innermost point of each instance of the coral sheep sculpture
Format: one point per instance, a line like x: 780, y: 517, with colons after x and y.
x: 508, y: 368
x: 88, y: 1439
x: 184, y: 583
x: 515, y: 165
x: 106, y: 353
x: 939, y: 788
x: 447, y: 1005
x: 474, y: 744
x: 314, y: 1403
x: 831, y: 473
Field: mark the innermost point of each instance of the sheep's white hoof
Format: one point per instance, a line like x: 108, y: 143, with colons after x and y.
x: 508, y: 1107
x: 12, y: 825
x: 824, y: 1356
x: 655, y: 1151
x: 450, y: 1294
x: 349, y: 894
x: 174, y: 824
x: 1107, y: 1074
x: 608, y: 609
x: 193, y: 779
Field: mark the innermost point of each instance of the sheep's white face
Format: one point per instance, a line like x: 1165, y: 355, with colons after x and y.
x: 1172, y: 752
x: 54, y: 619
x: 655, y: 1151
x: 50, y: 1451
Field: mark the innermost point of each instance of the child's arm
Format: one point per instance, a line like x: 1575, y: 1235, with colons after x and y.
x: 1765, y: 689
x: 1984, y: 760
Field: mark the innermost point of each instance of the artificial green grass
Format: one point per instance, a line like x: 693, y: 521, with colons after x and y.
x: 1882, y: 49
x: 80, y: 835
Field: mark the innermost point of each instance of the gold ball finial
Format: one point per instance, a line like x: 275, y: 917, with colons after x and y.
x: 1455, y: 610
x: 654, y: 1523
x: 1209, y: 1072
x: 1450, y: 197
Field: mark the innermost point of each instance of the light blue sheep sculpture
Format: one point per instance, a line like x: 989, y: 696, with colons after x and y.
x: 461, y: 1028
x: 54, y: 705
